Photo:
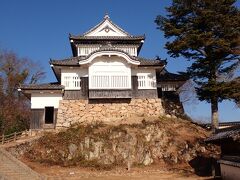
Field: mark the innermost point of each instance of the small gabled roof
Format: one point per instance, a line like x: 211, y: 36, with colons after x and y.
x: 105, y: 24
x: 106, y: 19
x: 106, y: 32
x: 165, y: 76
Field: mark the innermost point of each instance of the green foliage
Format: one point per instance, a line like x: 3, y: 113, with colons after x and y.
x: 206, y: 32
x: 20, y: 124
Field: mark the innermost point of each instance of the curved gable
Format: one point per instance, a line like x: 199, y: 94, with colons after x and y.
x: 109, y: 53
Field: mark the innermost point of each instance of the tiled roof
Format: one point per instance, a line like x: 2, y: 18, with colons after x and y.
x: 45, y: 86
x: 171, y: 77
x: 222, y: 124
x: 106, y: 17
x: 74, y: 60
x: 142, y: 37
x: 150, y: 62
x: 225, y: 133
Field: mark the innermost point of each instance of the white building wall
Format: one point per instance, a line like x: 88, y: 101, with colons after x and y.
x: 109, y: 73
x: 146, y: 78
x: 84, y: 50
x: 82, y: 72
x: 142, y: 70
x: 70, y: 77
x: 131, y: 50
x: 111, y: 64
x: 41, y: 100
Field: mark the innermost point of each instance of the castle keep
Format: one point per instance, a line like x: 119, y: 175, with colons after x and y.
x: 104, y: 80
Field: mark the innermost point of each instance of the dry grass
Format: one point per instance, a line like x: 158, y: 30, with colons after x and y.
x: 53, y: 148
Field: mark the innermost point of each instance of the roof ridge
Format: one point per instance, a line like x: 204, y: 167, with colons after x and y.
x: 67, y: 59
x: 51, y: 85
x: 150, y: 59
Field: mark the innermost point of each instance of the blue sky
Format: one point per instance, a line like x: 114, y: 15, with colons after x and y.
x: 38, y: 29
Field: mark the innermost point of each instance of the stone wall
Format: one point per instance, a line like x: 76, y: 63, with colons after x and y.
x: 115, y: 111
x: 172, y: 104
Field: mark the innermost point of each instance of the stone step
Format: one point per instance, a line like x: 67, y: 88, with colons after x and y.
x: 12, y: 168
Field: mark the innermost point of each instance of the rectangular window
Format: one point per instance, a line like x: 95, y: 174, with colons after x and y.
x: 49, y: 115
x: 83, y: 50
x: 168, y: 87
x: 72, y: 82
x: 146, y: 81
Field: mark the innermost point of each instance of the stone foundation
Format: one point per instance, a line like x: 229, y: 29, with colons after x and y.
x: 117, y: 111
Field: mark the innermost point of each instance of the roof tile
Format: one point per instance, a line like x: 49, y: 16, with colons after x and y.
x: 225, y: 133
x: 141, y: 37
x: 45, y: 86
x: 73, y: 61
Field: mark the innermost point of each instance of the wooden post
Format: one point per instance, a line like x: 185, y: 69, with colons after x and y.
x: 15, y: 136
x: 84, y: 87
x: 134, y: 86
x: 3, y: 139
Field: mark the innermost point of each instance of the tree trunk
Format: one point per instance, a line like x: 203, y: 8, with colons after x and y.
x: 214, y: 109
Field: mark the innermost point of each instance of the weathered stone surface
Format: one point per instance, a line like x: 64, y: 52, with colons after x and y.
x: 72, y: 148
x: 81, y: 111
x: 147, y: 159
x: 172, y: 141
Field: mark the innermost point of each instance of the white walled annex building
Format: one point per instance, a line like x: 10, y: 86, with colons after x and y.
x: 105, y: 70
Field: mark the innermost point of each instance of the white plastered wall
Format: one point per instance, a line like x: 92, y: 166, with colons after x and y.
x: 114, y: 65
x: 84, y: 50
x: 81, y: 72
x: 73, y: 72
x: 137, y: 71
x: 111, y: 64
x: 41, y: 100
x: 145, y: 72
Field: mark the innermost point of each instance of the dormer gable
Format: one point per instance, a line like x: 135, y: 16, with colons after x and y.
x: 106, y: 28
x: 105, y: 33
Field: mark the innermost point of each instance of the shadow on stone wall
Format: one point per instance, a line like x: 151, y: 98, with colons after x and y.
x: 171, y: 103
x: 205, y: 166
x: 108, y: 101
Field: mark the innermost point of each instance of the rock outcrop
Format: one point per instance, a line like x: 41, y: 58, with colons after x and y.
x: 171, y: 141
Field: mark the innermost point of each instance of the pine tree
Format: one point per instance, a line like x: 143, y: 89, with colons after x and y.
x: 207, y: 33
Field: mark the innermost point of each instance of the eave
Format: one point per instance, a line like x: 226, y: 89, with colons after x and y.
x: 106, y: 38
x: 75, y: 61
x: 231, y: 133
x: 28, y: 89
